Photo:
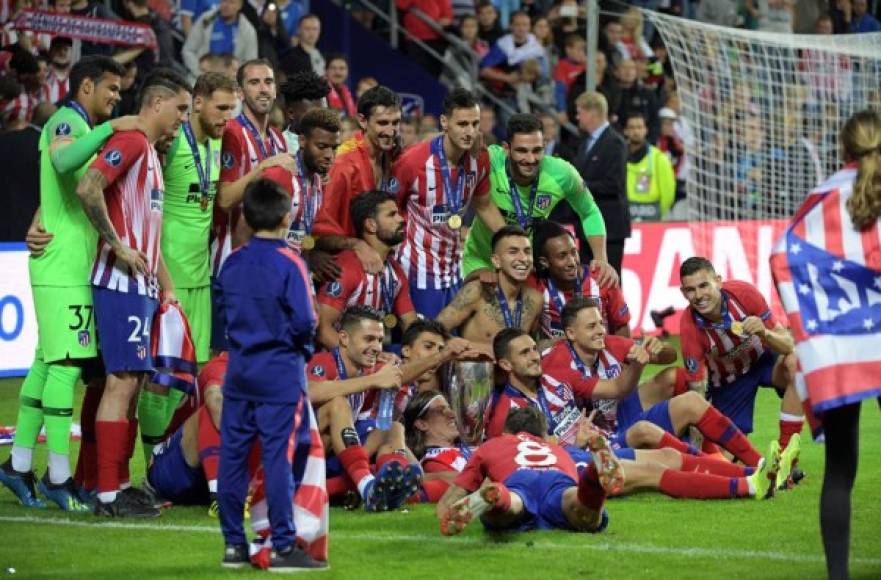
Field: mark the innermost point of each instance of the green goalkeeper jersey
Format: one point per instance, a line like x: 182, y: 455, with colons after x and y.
x: 558, y: 180
x: 69, y: 257
x: 187, y: 213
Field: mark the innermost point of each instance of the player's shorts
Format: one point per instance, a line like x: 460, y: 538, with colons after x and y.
x: 65, y: 322
x: 737, y: 400
x: 430, y: 302
x: 124, y: 322
x: 364, y: 427
x: 658, y: 414
x: 196, y: 304
x: 218, y: 327
x: 171, y: 476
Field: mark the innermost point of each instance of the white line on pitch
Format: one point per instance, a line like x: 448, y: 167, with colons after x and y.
x: 714, y: 553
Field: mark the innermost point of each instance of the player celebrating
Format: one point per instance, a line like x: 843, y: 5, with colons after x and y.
x: 439, y: 180
x: 526, y: 184
x: 301, y: 93
x: 59, y: 276
x: 122, y: 194
x: 480, y: 311
x: 729, y: 330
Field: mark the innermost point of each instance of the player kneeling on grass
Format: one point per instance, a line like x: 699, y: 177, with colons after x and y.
x: 534, y: 483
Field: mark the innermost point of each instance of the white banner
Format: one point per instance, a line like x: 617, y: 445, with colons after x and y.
x: 18, y: 324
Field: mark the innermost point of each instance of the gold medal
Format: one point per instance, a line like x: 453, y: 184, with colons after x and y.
x: 390, y: 320
x: 454, y: 221
x: 737, y: 328
x: 308, y: 242
x: 203, y: 203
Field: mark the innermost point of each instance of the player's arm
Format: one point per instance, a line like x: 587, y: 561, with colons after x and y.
x: 777, y: 338
x: 455, y: 349
x: 165, y: 282
x: 229, y: 193
x: 37, y: 238
x: 488, y: 212
x: 214, y: 402
x: 388, y: 377
x: 593, y: 225
x: 461, y: 308
x: 301, y: 306
x: 68, y: 153
x: 660, y: 353
x: 327, y: 319
x: 453, y: 494
x: 621, y: 386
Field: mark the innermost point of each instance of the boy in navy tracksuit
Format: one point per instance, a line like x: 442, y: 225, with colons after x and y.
x: 266, y: 298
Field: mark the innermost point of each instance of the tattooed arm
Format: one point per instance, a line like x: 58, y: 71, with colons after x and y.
x: 91, y: 193
x: 461, y: 308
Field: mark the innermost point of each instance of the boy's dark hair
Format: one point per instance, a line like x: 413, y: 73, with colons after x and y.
x: 353, y: 315
x: 542, y: 231
x: 365, y: 206
x: 265, y: 204
x: 502, y: 341
x: 162, y: 81
x: 420, y: 326
x: 526, y: 420
x: 459, y: 98
x: 240, y: 74
x: 319, y: 119
x: 523, y: 123
x: 694, y: 265
x: 379, y: 96
x: 507, y: 231
x: 573, y: 307
x: 92, y: 67
x: 304, y: 85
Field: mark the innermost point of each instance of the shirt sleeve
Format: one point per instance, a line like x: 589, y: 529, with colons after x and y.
x: 328, y: 220
x: 481, y: 188
x: 693, y: 351
x: 581, y: 200
x: 298, y: 293
x: 495, y: 57
x: 403, y: 303
x: 472, y: 474
x: 119, y: 154
x: 335, y: 293
x: 401, y: 171
x: 755, y: 304
x: 617, y: 311
x: 231, y: 155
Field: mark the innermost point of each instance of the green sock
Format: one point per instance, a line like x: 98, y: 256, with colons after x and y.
x: 152, y: 420
x: 171, y: 404
x: 30, y: 408
x: 58, y: 415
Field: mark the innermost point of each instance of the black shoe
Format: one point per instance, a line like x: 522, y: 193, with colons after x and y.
x: 235, y: 557
x: 146, y: 497
x: 294, y: 560
x: 124, y: 506
x: 23, y: 485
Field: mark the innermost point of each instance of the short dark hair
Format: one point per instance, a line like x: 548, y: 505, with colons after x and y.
x: 209, y: 82
x: 523, y: 123
x: 542, y: 231
x: 319, y: 119
x: 694, y: 265
x: 459, y: 98
x: 634, y: 115
x: 502, y: 341
x: 507, y: 231
x: 162, y: 80
x: 92, y: 67
x: 365, y: 205
x: 526, y: 420
x: 353, y: 315
x: 573, y: 307
x: 517, y: 13
x: 304, y: 85
x: 332, y: 56
x: 24, y: 63
x: 421, y: 326
x: 240, y: 74
x: 378, y: 96
x: 265, y: 204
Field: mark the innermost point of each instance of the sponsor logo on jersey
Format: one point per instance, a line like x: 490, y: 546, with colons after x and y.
x: 113, y: 157
x: 62, y: 129
x: 318, y: 371
x: 227, y: 160
x: 334, y: 289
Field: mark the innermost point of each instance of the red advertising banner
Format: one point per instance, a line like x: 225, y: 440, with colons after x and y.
x: 653, y: 253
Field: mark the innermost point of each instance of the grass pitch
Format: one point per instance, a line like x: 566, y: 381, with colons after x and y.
x: 649, y: 536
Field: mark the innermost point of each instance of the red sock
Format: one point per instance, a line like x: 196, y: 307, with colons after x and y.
x: 694, y: 485
x: 590, y: 493
x: 713, y: 466
x: 124, y: 475
x: 389, y: 457
x: 356, y: 463
x: 112, y: 445
x: 339, y: 485
x: 710, y: 448
x: 431, y: 492
x: 681, y: 385
x: 208, y: 440
x: 721, y: 430
x: 503, y: 501
x: 673, y: 442
x: 87, y: 461
x: 788, y: 429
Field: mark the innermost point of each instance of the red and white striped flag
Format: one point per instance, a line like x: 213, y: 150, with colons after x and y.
x: 174, y: 357
x: 828, y: 275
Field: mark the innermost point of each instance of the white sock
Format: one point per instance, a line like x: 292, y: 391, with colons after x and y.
x: 212, y: 486
x: 22, y: 459
x: 107, y: 496
x: 59, y: 468
x: 792, y: 418
x: 362, y: 485
x: 125, y: 485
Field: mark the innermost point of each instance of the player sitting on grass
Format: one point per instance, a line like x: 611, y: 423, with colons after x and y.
x: 534, y: 483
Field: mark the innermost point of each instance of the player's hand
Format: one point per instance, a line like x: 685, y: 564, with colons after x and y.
x: 323, y: 266
x: 128, y: 123
x: 605, y: 274
x: 637, y: 354
x: 388, y: 377
x: 753, y: 326
x: 37, y: 239
x: 455, y: 347
x: 485, y: 275
x: 283, y: 160
x: 135, y: 260
x: 368, y: 257
x: 586, y: 428
x: 653, y: 346
x: 169, y: 297
x: 388, y: 358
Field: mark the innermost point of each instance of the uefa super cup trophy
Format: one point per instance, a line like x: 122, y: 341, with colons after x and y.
x: 469, y: 388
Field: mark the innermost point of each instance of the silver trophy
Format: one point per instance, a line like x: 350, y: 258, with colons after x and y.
x: 469, y: 387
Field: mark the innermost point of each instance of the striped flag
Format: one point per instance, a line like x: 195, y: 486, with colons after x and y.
x: 174, y: 356
x: 311, y: 506
x: 829, y: 278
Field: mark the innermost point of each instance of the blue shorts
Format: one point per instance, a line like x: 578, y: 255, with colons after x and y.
x: 123, y: 322
x: 172, y: 478
x: 430, y: 302
x: 737, y: 400
x: 218, y: 323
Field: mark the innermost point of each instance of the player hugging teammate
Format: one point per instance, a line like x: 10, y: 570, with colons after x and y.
x: 336, y: 291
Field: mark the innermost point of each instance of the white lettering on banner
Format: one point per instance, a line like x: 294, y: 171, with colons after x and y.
x: 18, y: 325
x: 729, y: 255
x: 630, y: 280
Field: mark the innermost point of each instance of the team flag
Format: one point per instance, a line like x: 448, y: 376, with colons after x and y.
x: 174, y: 356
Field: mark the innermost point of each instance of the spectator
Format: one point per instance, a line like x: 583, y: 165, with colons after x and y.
x: 191, y: 10
x: 551, y: 131
x: 671, y: 144
x: 611, y: 45
x: 460, y: 64
x: 56, y: 85
x: 632, y: 36
x: 651, y: 184
x: 20, y: 164
x: 348, y: 128
x: 147, y: 59
x: 93, y: 9
x: 461, y: 10
x: 541, y: 30
x: 340, y: 97
x: 488, y: 127
x: 305, y: 55
x: 226, y: 64
x: 569, y: 68
x: 488, y: 21
x: 500, y: 67
x: 773, y: 15
x: 272, y: 38
x: 534, y: 93
x: 860, y: 20
x: 719, y: 12
x: 635, y: 98
x: 364, y: 85
x: 291, y: 12
x: 568, y: 19
x: 428, y: 124
x: 31, y: 75
x: 441, y: 12
x: 607, y: 84
x: 409, y: 131
x: 220, y: 31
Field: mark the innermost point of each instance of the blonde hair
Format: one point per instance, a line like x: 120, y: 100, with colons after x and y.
x: 861, y: 139
x: 593, y: 101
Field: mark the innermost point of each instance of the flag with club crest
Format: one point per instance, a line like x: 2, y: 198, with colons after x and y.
x: 174, y: 357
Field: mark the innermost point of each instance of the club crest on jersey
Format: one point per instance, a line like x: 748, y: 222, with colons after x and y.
x: 227, y: 160
x: 393, y: 185
x: 543, y: 201
x: 691, y: 365
x: 334, y: 289
x: 470, y: 179
x: 113, y: 157
x: 156, y: 200
x: 141, y: 352
x: 62, y: 129
x: 84, y: 337
x: 318, y: 371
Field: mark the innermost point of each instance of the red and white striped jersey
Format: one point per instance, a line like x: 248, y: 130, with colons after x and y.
x: 726, y: 355
x: 21, y: 108
x: 432, y: 252
x: 613, y: 307
x: 357, y: 287
x: 294, y: 185
x: 134, y: 204
x: 445, y: 459
x: 240, y: 152
x: 55, y: 88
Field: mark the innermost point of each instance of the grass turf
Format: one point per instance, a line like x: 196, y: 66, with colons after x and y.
x: 649, y: 535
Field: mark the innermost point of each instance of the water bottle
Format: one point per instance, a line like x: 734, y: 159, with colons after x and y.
x: 386, y: 409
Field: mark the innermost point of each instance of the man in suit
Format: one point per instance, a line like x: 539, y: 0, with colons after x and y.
x: 601, y: 159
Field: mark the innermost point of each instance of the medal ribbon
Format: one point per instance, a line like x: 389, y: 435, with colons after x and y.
x: 510, y: 321
x: 247, y: 124
x: 557, y: 296
x: 452, y: 197
x: 80, y: 111
x: 523, y: 220
x: 204, y: 172
x: 386, y: 289
x: 307, y: 193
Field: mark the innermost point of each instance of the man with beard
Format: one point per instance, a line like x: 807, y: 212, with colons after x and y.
x: 651, y: 183
x: 191, y: 172
x: 479, y: 311
x: 56, y: 84
x: 377, y: 220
